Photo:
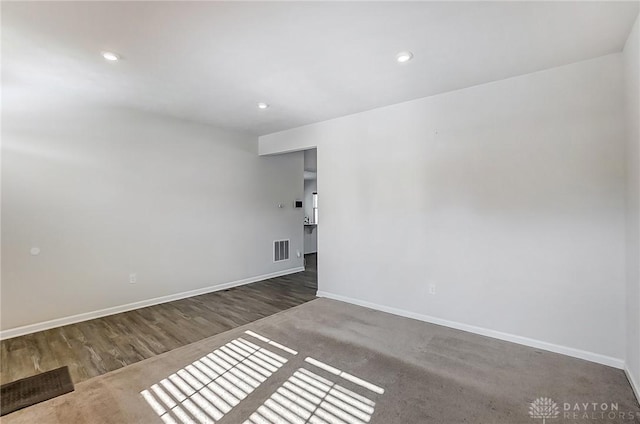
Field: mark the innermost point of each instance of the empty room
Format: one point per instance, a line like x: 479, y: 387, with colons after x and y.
x: 289, y: 212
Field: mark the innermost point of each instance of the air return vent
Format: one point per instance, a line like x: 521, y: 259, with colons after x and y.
x: 280, y: 250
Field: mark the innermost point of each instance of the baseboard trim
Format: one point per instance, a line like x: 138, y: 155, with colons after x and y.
x: 634, y: 383
x: 59, y: 322
x: 538, y: 344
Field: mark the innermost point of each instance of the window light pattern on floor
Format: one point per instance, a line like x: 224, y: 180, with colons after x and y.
x: 207, y: 389
x: 309, y: 398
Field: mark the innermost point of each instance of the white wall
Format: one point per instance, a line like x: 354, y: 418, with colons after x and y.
x: 104, y: 192
x: 509, y: 196
x: 632, y: 72
x: 310, y: 238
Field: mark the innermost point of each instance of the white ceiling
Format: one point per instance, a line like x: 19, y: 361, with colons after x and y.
x: 213, y: 61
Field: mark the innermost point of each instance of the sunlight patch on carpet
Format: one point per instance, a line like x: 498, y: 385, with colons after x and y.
x: 309, y: 398
x: 345, y: 375
x: 271, y: 342
x: 207, y: 389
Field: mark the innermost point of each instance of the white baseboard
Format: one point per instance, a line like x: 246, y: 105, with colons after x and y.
x: 538, y: 344
x: 635, y: 384
x: 58, y: 322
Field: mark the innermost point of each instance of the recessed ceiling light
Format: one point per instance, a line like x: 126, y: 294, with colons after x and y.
x: 262, y: 105
x: 110, y: 56
x: 404, y: 57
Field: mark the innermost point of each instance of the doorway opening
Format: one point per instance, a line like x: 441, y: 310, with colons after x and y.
x: 311, y: 213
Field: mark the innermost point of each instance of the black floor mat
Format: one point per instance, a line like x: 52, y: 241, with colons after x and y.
x: 31, y: 390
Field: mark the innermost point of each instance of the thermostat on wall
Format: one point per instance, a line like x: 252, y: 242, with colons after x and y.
x: 297, y: 204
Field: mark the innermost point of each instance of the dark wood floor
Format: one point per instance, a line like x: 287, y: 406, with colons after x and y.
x: 101, y: 345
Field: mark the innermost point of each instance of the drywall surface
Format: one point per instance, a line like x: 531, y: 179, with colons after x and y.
x: 631, y: 56
x: 508, y: 198
x: 105, y: 192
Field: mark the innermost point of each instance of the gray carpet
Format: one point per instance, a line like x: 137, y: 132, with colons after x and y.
x: 382, y: 369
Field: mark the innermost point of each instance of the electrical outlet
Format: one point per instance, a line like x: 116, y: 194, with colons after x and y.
x: 432, y: 288
x: 133, y: 278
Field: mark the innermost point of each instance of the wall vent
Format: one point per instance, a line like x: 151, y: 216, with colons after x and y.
x: 280, y: 250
